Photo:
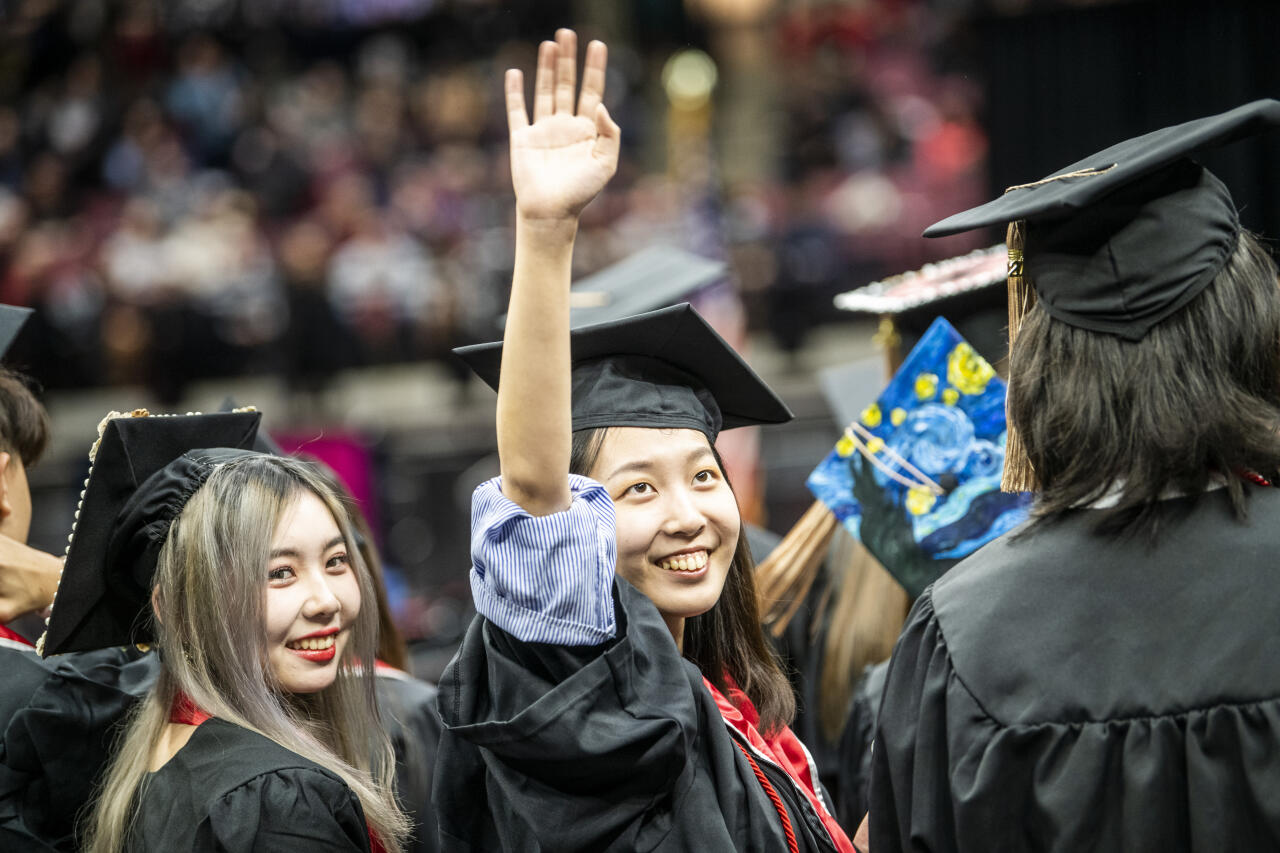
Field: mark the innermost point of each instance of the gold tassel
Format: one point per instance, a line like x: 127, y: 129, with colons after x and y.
x: 784, y: 578
x: 1019, y: 475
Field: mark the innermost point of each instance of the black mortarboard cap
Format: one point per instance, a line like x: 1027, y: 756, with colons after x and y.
x: 143, y: 469
x: 1120, y: 240
x: 665, y: 368
x: 652, y: 278
x: 850, y: 388
x: 12, y: 319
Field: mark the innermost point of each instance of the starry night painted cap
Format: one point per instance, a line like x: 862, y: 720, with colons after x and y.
x: 1120, y: 240
x: 663, y: 369
x: 143, y: 469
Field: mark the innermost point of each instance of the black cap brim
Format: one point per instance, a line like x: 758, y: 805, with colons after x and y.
x: 677, y: 336
x: 12, y: 319
x: 1112, y: 168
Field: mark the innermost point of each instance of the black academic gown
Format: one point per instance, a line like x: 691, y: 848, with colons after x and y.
x: 230, y: 789
x: 1060, y: 691
x: 612, y: 747
x: 801, y: 649
x: 854, y: 762
x: 413, y: 724
x: 58, y: 720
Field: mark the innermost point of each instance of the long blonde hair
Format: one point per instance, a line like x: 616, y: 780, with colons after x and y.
x: 212, y: 564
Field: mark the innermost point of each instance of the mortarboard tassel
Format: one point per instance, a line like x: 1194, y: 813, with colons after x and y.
x: 1018, y: 474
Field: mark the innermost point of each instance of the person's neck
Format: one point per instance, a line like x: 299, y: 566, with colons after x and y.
x: 675, y: 624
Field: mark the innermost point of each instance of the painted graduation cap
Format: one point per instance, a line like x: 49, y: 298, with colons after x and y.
x: 1122, y: 239
x: 143, y: 468
x: 960, y: 289
x: 12, y: 319
x: 916, y: 475
x: 656, y: 277
x: 664, y: 368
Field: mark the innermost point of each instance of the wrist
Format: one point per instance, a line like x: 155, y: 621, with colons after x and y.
x: 43, y: 570
x: 552, y: 231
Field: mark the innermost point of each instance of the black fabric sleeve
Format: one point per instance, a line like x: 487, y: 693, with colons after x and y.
x: 588, y: 748
x: 910, y: 779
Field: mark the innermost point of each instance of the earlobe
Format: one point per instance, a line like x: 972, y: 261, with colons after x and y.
x: 6, y: 505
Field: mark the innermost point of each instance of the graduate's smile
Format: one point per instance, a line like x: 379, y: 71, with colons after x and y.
x: 320, y: 646
x: 689, y: 564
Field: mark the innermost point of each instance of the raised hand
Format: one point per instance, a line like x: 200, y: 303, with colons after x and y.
x: 566, y: 156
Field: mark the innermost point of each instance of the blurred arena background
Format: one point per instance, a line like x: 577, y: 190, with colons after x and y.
x: 304, y: 204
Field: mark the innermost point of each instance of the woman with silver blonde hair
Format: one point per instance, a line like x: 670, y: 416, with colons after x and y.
x: 262, y: 730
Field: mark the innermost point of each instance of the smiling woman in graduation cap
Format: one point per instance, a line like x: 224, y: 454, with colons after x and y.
x: 261, y: 731
x: 616, y: 692
x: 1104, y: 678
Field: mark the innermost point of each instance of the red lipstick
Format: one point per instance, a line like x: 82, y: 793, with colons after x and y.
x: 317, y: 655
x: 321, y: 653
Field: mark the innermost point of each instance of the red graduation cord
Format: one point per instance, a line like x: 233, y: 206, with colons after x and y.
x: 792, y: 845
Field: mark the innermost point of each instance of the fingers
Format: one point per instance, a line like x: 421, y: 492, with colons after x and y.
x: 517, y: 118
x: 566, y: 69
x: 544, y: 81
x: 608, y: 138
x: 593, y: 69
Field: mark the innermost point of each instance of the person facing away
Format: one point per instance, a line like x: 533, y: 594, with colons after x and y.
x: 261, y: 732
x: 1104, y: 678
x: 615, y: 691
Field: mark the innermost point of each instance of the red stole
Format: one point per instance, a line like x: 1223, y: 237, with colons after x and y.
x: 783, y: 749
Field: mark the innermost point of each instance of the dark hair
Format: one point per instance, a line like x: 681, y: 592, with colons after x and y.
x: 726, y: 643
x: 1198, y: 397
x: 24, y: 424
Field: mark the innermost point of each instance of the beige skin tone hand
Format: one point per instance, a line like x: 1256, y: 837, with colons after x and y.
x: 28, y: 579
x: 559, y: 162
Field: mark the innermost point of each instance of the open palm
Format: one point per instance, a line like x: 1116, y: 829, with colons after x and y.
x: 566, y: 156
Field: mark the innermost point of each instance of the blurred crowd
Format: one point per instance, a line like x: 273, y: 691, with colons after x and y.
x: 197, y: 189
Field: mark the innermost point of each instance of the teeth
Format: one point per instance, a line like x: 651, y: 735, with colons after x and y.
x: 685, y: 562
x: 314, y: 644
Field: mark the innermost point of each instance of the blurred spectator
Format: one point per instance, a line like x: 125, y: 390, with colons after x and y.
x: 205, y: 97
x: 211, y: 187
x: 380, y: 282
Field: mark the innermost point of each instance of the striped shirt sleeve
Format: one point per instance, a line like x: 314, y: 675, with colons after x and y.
x: 545, y: 579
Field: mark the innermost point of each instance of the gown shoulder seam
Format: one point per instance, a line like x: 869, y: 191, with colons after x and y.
x: 926, y: 600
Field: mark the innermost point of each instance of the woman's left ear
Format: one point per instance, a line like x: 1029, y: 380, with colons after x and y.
x: 155, y: 602
x: 6, y: 506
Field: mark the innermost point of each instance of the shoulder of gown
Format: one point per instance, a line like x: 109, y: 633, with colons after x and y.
x: 58, y: 719
x: 1064, y: 691
x: 233, y: 789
